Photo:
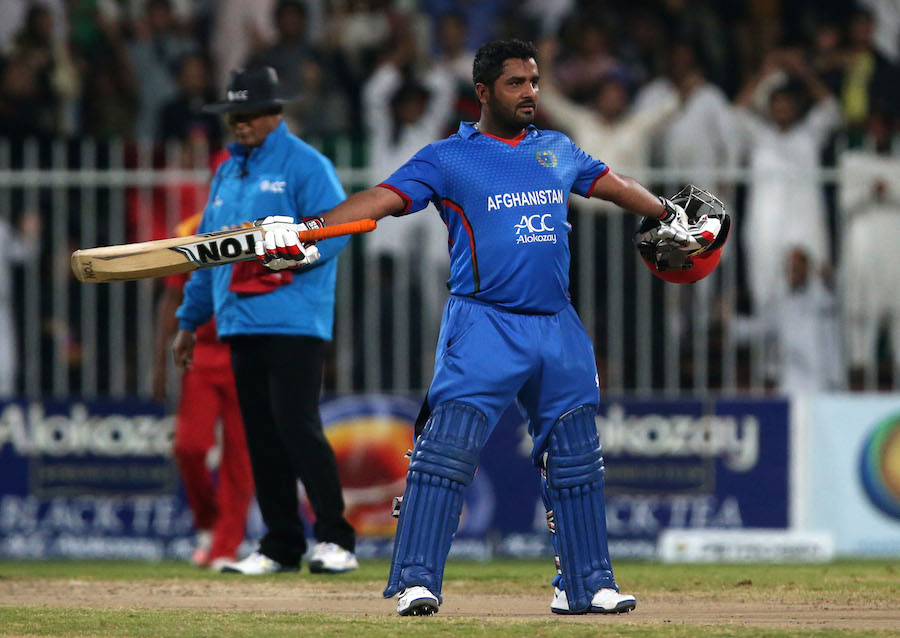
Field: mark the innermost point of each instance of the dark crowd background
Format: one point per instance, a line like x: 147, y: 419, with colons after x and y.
x: 132, y: 72
x: 139, y: 69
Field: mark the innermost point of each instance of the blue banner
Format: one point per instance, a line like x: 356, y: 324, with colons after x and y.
x: 669, y: 463
x: 97, y: 478
x: 90, y: 479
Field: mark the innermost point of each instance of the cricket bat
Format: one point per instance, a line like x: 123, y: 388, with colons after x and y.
x: 162, y: 257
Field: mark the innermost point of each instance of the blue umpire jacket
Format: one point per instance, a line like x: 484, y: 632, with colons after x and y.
x: 283, y: 176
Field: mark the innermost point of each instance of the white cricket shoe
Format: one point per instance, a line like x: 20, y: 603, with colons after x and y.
x: 605, y: 601
x: 417, y: 601
x: 329, y: 558
x: 256, y: 564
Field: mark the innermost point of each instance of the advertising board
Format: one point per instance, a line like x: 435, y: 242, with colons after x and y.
x: 89, y: 479
x: 93, y: 479
x: 669, y: 464
x: 853, y: 472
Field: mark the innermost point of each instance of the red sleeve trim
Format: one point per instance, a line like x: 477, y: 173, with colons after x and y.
x: 406, y: 198
x: 594, y: 183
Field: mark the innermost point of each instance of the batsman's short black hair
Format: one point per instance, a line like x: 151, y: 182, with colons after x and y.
x: 489, y: 60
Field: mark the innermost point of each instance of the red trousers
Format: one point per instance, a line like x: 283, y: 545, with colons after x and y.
x: 206, y: 395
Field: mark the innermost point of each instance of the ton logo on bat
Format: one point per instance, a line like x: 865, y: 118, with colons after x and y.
x: 213, y: 251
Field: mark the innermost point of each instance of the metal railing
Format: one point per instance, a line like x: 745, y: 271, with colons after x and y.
x: 99, y: 340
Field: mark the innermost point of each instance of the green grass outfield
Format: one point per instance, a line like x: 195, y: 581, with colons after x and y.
x: 858, y: 584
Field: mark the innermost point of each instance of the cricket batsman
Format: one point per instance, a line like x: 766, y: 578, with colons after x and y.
x: 509, y: 330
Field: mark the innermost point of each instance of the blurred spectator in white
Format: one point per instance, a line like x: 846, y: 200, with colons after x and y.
x: 157, y: 48
x: 184, y: 115
x: 358, y: 32
x: 14, y: 14
x: 605, y: 127
x: 403, y: 114
x: 694, y: 145
x: 786, y: 206
x: 49, y: 64
x: 549, y: 14
x: 240, y: 29
x: 21, y: 246
x: 800, y: 326
x: 870, y: 205
x: 360, y: 28
x: 700, y: 139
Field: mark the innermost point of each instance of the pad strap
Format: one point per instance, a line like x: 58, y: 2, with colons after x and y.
x: 443, y: 464
x: 551, y: 525
x: 574, y: 464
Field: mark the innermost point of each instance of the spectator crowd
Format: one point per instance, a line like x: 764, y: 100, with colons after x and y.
x: 780, y: 88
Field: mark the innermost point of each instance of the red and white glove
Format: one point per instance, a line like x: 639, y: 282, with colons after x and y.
x: 673, y: 225
x: 281, y: 247
x: 675, y: 232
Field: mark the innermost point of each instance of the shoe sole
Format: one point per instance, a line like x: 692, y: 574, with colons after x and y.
x: 420, y: 608
x: 280, y: 570
x: 622, y: 608
x: 319, y: 568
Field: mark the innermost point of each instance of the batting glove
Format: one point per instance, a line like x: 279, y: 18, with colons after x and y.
x: 281, y: 247
x: 673, y: 225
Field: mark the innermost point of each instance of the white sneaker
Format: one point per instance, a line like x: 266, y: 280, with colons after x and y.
x: 256, y: 564
x: 329, y: 558
x: 417, y: 601
x: 605, y: 601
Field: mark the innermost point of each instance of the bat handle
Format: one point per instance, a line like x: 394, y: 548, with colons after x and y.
x: 338, y: 230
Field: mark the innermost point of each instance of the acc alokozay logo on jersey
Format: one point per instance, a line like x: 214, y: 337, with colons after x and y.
x: 536, y: 228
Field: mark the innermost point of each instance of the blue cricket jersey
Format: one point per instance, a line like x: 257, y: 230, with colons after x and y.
x: 505, y: 203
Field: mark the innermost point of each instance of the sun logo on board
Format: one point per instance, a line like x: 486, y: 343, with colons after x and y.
x: 879, y: 466
x: 546, y: 158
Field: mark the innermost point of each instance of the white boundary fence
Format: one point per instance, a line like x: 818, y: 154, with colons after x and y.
x: 98, y: 340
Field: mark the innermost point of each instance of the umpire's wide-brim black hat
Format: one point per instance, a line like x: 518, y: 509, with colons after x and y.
x: 249, y: 90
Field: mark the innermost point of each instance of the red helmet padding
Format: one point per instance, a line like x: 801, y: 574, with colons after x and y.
x: 701, y: 266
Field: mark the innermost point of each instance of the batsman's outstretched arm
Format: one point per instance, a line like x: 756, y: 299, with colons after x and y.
x: 281, y: 246
x: 374, y: 203
x: 630, y: 195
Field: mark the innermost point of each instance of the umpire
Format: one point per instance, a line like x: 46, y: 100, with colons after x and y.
x: 277, y: 324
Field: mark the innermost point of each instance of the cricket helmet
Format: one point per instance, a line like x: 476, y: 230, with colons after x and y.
x: 708, y: 225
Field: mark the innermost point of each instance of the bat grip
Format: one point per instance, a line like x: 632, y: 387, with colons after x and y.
x: 349, y: 228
